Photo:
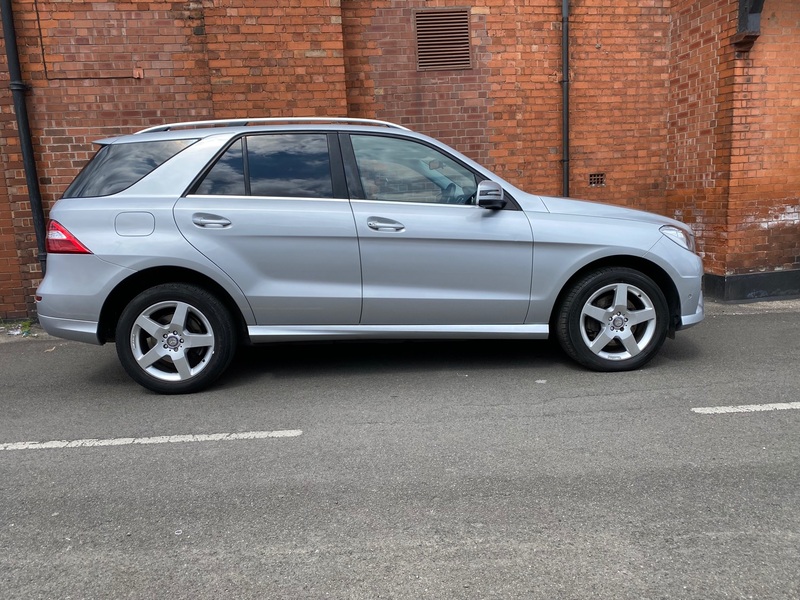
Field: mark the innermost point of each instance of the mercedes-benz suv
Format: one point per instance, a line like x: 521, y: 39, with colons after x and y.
x: 183, y: 241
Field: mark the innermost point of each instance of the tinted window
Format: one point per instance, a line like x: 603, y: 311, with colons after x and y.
x: 289, y: 165
x: 226, y: 177
x: 118, y: 166
x: 407, y: 171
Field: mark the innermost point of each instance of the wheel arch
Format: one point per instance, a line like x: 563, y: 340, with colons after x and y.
x: 644, y: 266
x: 127, y: 289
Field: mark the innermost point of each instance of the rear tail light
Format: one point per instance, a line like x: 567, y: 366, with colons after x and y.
x: 61, y: 241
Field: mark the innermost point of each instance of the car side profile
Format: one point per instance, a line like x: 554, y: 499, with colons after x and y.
x: 183, y: 241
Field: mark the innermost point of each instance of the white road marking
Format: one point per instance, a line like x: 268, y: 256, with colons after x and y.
x: 164, y: 439
x: 718, y: 410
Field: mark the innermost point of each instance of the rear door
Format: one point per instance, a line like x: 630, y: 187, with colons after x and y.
x: 273, y: 213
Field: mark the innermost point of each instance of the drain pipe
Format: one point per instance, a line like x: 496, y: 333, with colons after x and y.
x: 565, y: 97
x: 18, y: 89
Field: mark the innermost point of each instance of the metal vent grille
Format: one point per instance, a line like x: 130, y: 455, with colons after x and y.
x: 443, y: 40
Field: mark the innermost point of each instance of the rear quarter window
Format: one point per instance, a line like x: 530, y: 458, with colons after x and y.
x: 116, y: 167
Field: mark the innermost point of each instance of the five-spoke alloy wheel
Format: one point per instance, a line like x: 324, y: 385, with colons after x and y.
x: 614, y: 319
x: 175, y: 338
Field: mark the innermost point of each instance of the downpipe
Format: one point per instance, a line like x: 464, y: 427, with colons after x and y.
x: 565, y: 97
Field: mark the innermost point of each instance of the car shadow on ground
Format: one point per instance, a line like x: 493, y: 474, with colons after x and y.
x: 322, y: 359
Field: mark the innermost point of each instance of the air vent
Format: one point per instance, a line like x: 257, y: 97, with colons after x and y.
x: 443, y: 40
x: 597, y: 179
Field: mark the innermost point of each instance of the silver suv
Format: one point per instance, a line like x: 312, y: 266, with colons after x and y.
x: 182, y: 241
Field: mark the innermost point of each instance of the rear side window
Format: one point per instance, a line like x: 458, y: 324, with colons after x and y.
x: 226, y: 177
x: 118, y: 166
x: 286, y: 165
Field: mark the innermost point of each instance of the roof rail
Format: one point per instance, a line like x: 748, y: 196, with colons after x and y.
x: 242, y: 122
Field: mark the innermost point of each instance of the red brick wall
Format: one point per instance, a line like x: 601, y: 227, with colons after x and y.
x: 700, y: 121
x: 619, y: 66
x: 734, y: 136
x: 12, y: 239
x: 276, y: 58
x: 504, y: 113
x: 764, y: 202
x: 660, y: 102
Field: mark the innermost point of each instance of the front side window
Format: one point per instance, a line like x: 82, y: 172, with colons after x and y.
x: 116, y: 167
x: 398, y: 170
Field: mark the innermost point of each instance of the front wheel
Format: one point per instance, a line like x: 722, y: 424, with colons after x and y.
x: 613, y: 319
x: 175, y: 338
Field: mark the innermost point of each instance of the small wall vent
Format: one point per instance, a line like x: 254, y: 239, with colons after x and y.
x: 597, y: 179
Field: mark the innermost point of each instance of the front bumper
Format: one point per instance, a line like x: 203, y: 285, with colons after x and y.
x: 690, y: 320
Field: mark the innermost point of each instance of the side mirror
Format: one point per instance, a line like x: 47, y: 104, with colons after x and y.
x: 490, y: 195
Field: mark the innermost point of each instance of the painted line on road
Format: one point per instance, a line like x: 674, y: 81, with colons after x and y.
x: 164, y: 439
x: 719, y: 410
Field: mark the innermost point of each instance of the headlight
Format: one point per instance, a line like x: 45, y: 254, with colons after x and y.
x: 679, y: 236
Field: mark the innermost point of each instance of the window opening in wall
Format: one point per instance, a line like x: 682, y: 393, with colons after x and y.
x: 443, y: 39
x: 597, y: 179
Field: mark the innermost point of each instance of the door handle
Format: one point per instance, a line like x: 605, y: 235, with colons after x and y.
x: 379, y: 224
x: 210, y: 221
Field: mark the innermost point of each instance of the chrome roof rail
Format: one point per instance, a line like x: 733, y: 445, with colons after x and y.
x: 242, y: 122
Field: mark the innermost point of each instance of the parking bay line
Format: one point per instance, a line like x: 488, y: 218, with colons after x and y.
x: 164, y: 439
x: 719, y: 410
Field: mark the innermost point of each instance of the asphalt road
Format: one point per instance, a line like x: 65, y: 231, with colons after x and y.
x: 409, y: 470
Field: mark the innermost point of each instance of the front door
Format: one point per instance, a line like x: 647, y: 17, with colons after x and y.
x: 429, y: 255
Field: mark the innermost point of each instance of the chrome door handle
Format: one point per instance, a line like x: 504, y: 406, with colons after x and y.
x: 384, y: 224
x: 210, y: 221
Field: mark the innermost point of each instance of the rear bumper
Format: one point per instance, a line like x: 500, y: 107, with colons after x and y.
x: 71, y: 296
x: 71, y: 329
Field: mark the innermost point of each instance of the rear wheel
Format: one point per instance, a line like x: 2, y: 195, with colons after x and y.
x: 614, y: 319
x: 175, y: 338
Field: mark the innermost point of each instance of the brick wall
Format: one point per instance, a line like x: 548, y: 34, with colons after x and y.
x: 12, y: 239
x: 271, y: 58
x: 734, y: 133
x: 504, y: 112
x: 700, y: 121
x: 660, y: 102
x: 764, y: 200
x: 619, y: 68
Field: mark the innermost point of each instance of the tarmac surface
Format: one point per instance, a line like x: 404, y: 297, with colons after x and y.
x: 415, y: 470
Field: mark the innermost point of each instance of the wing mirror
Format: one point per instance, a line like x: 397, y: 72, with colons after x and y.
x: 490, y: 195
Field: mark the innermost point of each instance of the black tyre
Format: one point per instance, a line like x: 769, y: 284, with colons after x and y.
x: 175, y: 338
x: 614, y: 319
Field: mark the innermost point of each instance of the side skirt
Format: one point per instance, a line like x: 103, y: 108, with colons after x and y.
x: 295, y: 333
